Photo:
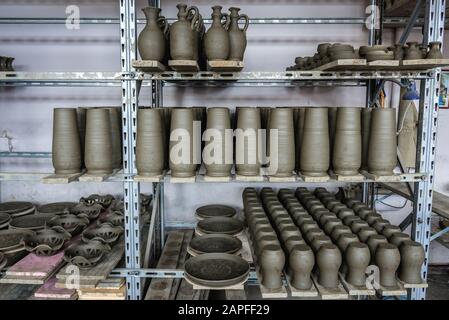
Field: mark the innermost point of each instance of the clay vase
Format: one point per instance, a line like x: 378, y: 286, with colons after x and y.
x: 357, y: 225
x: 366, y: 232
x: 380, y: 224
x: 149, y: 142
x: 216, y: 39
x: 282, y: 150
x: 413, y: 52
x: 435, y: 51
x: 382, y: 156
x: 398, y: 239
x: 387, y: 259
x: 371, y: 218
x: 357, y: 258
x: 412, y: 259
x: 315, y: 145
x: 346, y: 212
x: 151, y: 41
x: 338, y: 231
x: 319, y: 241
x: 182, y: 35
x: 182, y: 147
x: 373, y: 243
x: 272, y: 261
x: 328, y: 261
x: 332, y: 120
x: 247, y: 160
x: 237, y: 36
x: 98, y: 149
x: 115, y: 117
x: 347, y: 154
x: 366, y: 124
x: 299, y: 128
x: 345, y: 240
x: 301, y: 262
x: 66, y: 148
x: 81, y: 119
x: 390, y: 230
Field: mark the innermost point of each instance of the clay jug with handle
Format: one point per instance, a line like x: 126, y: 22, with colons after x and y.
x: 237, y: 36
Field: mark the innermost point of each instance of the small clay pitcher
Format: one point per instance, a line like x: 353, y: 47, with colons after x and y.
x: 301, y: 263
x: 216, y: 39
x: 347, y: 152
x: 435, y: 51
x: 412, y: 259
x: 328, y: 261
x: 151, y: 40
x: 357, y: 258
x: 272, y: 261
x: 387, y: 259
x: 247, y: 141
x: 237, y: 36
x: 66, y: 149
x: 366, y: 124
x: 182, y: 35
x: 315, y: 145
x: 98, y: 149
x: 413, y: 52
x: 382, y: 152
x: 149, y: 142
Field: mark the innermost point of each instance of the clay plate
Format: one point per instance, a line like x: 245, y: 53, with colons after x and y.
x: 5, y: 218
x: 220, y: 225
x: 215, y: 210
x: 56, y: 207
x: 31, y: 222
x: 86, y: 254
x: 12, y: 239
x: 71, y: 223
x: 105, y: 232
x: 215, y: 243
x: 46, y: 242
x: 115, y: 218
x: 216, y: 269
x: 15, y: 208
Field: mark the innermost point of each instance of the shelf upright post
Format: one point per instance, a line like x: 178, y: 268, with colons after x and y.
x: 131, y: 192
x: 425, y: 158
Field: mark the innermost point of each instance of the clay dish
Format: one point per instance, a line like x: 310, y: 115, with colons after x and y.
x: 215, y: 210
x: 56, y: 207
x: 11, y: 239
x: 46, y: 242
x: 31, y: 222
x: 86, y: 255
x: 214, y: 243
x: 105, y: 232
x: 17, y: 208
x: 90, y: 210
x: 71, y: 223
x: 221, y: 225
x: 116, y: 218
x: 5, y: 218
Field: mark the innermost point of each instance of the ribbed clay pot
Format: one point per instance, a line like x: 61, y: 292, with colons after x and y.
x: 81, y: 119
x: 149, y: 142
x: 272, y: 261
x: 115, y: 117
x: 357, y: 257
x: 66, y: 149
x: 247, y: 141
x: 332, y: 120
x: 98, y: 149
x: 412, y: 259
x: 282, y: 150
x: 237, y: 36
x: 299, y: 129
x: 182, y: 35
x: 382, y: 157
x: 151, y: 40
x: 216, y: 39
x: 366, y: 125
x: 182, y: 138
x: 301, y: 262
x: 347, y: 152
x: 387, y: 259
x: 328, y: 261
x: 315, y: 145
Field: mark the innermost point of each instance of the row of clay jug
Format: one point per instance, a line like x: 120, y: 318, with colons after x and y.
x: 86, y: 138
x: 186, y: 39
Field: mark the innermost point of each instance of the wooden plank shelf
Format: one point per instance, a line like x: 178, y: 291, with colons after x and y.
x: 356, y: 290
x: 343, y: 65
x: 149, y: 66
x: 378, y: 178
x: 224, y: 66
x: 62, y: 178
x: 89, y: 177
x: 184, y: 65
x: 338, y: 293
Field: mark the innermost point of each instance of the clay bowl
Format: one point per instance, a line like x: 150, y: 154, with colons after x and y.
x: 216, y: 270
x: 17, y: 208
x: 104, y: 201
x: 70, y: 222
x: 5, y: 218
x: 31, y: 222
x: 12, y: 239
x: 46, y: 242
x: 379, y: 55
x: 89, y: 210
x: 56, y: 207
x: 215, y: 210
x: 222, y: 225
x: 214, y: 243
x: 86, y: 255
x: 116, y: 218
x: 363, y: 50
x: 105, y: 232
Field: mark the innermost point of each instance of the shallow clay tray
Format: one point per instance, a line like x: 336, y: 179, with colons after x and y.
x: 16, y: 208
x: 31, y: 222
x: 220, y: 225
x: 215, y: 210
x: 216, y: 269
x: 12, y: 239
x: 56, y: 207
x: 214, y: 243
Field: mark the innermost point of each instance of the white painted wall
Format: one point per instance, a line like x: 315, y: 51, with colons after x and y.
x: 26, y: 113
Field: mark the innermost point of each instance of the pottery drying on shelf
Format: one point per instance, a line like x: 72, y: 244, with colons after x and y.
x: 412, y: 259
x: 215, y: 210
x: 152, y: 39
x: 237, y: 36
x: 56, y: 207
x: 3, y: 260
x: 435, y: 51
x: 328, y: 261
x: 182, y: 35
x: 413, y: 52
x: 216, y: 39
x: 222, y: 225
x: 247, y: 141
x: 86, y: 254
x: 31, y: 222
x: 301, y: 263
x: 88, y: 209
x: 214, y: 243
x: 17, y: 208
x: 5, y: 218
x: 105, y: 232
x: 70, y: 222
x: 116, y: 218
x: 104, y: 201
x: 387, y: 258
x: 115, y: 118
x: 271, y: 261
x: 46, y: 242
x: 11, y: 240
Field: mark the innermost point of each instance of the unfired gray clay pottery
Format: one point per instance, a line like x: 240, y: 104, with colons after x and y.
x: 86, y: 209
x: 413, y: 52
x: 345, y: 240
x: 98, y: 148
x: 105, y: 232
x: 31, y: 222
x: 271, y: 262
x: 70, y: 222
x: 398, y: 239
x: 412, y: 259
x: 331, y: 224
x: 216, y: 39
x: 387, y: 259
x: 389, y: 230
x: 182, y: 36
x: 56, y: 207
x: 16, y: 208
x: 11, y: 239
x: 319, y: 241
x: 357, y: 258
x: 328, y: 260
x: 338, y: 231
x: 46, y: 242
x: 215, y: 210
x: 371, y: 218
x: 299, y: 114
x: 301, y: 262
x: 343, y: 213
x: 247, y: 141
x: 373, y: 243
x: 435, y: 51
x: 115, y: 118
x: 380, y: 224
x: 237, y: 36
x: 357, y: 225
x: 222, y: 225
x: 366, y: 232
x: 86, y: 255
x: 366, y: 125
x: 151, y: 40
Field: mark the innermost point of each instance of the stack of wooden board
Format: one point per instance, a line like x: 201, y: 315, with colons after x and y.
x: 107, y: 289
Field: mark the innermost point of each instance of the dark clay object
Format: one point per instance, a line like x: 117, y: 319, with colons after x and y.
x: 301, y: 263
x: 328, y: 261
x: 387, y: 258
x: 357, y: 258
x: 272, y: 261
x: 412, y: 259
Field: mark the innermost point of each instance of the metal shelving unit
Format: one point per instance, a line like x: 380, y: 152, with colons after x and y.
x: 131, y: 82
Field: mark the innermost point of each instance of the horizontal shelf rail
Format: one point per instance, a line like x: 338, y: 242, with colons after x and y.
x: 158, y: 273
x: 38, y: 177
x: 21, y: 154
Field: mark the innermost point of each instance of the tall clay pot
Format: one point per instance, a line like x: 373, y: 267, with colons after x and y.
x: 366, y: 124
x: 332, y: 119
x: 66, y: 150
x: 115, y: 117
x: 382, y: 154
x: 328, y: 261
x: 315, y: 145
x: 182, y: 146
x: 237, y: 36
x: 357, y: 257
x: 347, y: 155
x: 216, y: 39
x: 299, y: 129
x: 247, y: 153
x: 387, y: 259
x: 149, y: 142
x: 301, y: 262
x: 81, y: 119
x: 282, y: 158
x: 412, y: 259
x: 151, y: 41
x: 182, y: 35
x: 272, y: 261
x: 218, y: 141
x: 98, y: 149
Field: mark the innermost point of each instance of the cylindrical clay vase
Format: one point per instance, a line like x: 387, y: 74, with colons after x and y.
x: 332, y: 120
x: 357, y: 257
x: 315, y: 145
x: 347, y: 154
x: 151, y: 41
x: 282, y: 149
x: 412, y: 259
x: 382, y: 154
x: 182, y: 143
x: 149, y: 142
x: 216, y: 39
x: 182, y: 35
x: 301, y: 262
x: 115, y: 117
x: 237, y: 36
x: 272, y: 261
x: 66, y: 150
x: 328, y: 261
x: 217, y: 153
x: 81, y: 119
x: 387, y: 259
x: 98, y: 149
x: 299, y: 128
x: 247, y: 141
x: 366, y: 124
